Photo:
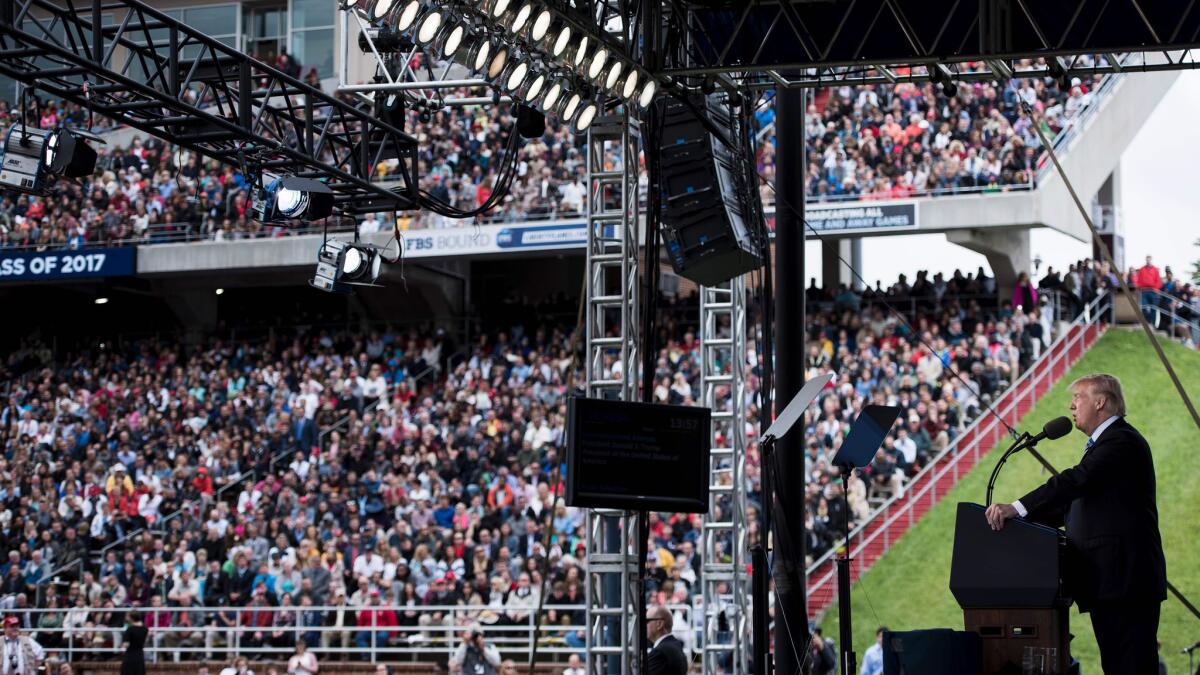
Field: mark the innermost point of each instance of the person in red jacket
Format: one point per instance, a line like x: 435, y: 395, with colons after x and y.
x: 1147, y: 276
x: 374, y: 617
x: 203, y: 482
x: 258, y: 618
x: 1148, y: 280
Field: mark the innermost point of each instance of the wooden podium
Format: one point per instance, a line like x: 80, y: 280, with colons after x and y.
x: 1009, y: 584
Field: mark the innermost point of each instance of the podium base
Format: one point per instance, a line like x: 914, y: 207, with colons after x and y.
x: 1006, y: 632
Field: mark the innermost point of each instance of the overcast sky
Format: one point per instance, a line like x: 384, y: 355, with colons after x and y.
x: 1160, y: 186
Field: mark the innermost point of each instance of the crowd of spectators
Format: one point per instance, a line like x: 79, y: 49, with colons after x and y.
x: 1169, y: 303
x: 895, y: 141
x: 870, y: 141
x: 204, y: 473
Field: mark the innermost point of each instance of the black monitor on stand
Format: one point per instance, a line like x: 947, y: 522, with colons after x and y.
x: 858, y: 448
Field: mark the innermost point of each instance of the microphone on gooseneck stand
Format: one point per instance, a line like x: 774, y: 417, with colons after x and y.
x: 1054, y: 429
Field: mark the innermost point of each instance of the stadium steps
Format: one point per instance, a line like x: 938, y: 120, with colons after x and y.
x: 871, y: 540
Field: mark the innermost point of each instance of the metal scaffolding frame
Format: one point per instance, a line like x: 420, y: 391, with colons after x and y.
x: 612, y: 335
x: 161, y: 76
x: 724, y: 551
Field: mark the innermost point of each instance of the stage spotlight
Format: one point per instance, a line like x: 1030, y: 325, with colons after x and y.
x: 521, y: 17
x: 450, y: 40
x: 516, y: 73
x: 534, y: 84
x: 342, y: 264
x: 407, y: 15
x: 583, y: 119
x: 497, y: 63
x: 570, y: 107
x: 427, y: 27
x: 31, y: 156
x: 614, y: 74
x: 579, y: 56
x: 596, y: 66
x: 479, y: 55
x: 499, y: 7
x: 649, y: 89
x: 629, y: 88
x: 68, y: 155
x: 361, y: 264
x: 381, y: 8
x: 554, y: 96
x: 541, y: 25
x: 560, y: 39
x: 950, y: 89
x: 348, y: 4
x: 292, y: 198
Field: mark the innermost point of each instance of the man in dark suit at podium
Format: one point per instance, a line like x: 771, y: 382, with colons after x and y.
x: 666, y: 656
x: 1107, y: 503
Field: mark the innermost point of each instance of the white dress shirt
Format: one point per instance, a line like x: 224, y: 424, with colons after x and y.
x: 1021, y: 510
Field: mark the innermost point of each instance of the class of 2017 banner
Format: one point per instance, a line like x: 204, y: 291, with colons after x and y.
x: 67, y: 264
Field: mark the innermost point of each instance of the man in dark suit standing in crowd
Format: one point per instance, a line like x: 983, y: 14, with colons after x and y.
x: 666, y: 656
x: 1107, y: 503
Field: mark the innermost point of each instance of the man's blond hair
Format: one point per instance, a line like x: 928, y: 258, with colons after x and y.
x: 1108, y: 386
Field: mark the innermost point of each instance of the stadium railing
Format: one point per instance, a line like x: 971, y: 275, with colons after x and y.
x: 436, y: 640
x: 872, y: 537
x: 1162, y: 311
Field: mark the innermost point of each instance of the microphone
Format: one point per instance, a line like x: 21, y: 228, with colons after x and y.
x: 1055, y: 428
x: 1190, y: 649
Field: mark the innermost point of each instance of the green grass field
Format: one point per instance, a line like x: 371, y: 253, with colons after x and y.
x: 909, y: 587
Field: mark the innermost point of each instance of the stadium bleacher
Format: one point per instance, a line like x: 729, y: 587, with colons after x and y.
x: 237, y: 473
x: 869, y: 142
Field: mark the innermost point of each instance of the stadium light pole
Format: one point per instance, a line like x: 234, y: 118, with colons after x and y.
x: 788, y: 549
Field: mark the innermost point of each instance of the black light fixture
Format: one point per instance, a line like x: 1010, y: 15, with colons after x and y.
x: 450, y: 39
x: 584, y: 117
x: 378, y: 9
x: 343, y: 264
x: 282, y: 199
x: 649, y: 89
x: 531, y: 123
x: 540, y: 26
x: 387, y: 40
x: 428, y: 26
x: 68, y: 155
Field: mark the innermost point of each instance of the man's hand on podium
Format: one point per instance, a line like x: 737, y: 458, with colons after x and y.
x: 998, y: 513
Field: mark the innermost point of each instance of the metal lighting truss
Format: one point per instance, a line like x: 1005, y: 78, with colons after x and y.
x: 724, y: 550
x: 612, y: 334
x: 812, y: 43
x: 425, y: 80
x: 154, y: 73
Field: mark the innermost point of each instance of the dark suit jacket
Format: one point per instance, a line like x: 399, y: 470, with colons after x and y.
x: 667, y: 658
x: 1107, y: 503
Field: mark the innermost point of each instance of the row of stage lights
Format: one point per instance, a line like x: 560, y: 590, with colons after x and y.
x: 539, y: 59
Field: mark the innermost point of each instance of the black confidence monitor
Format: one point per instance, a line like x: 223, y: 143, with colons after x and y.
x: 637, y: 456
x: 866, y: 435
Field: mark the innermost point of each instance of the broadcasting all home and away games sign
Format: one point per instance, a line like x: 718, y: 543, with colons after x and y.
x: 857, y: 217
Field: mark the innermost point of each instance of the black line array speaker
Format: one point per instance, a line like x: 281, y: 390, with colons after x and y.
x: 704, y: 223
